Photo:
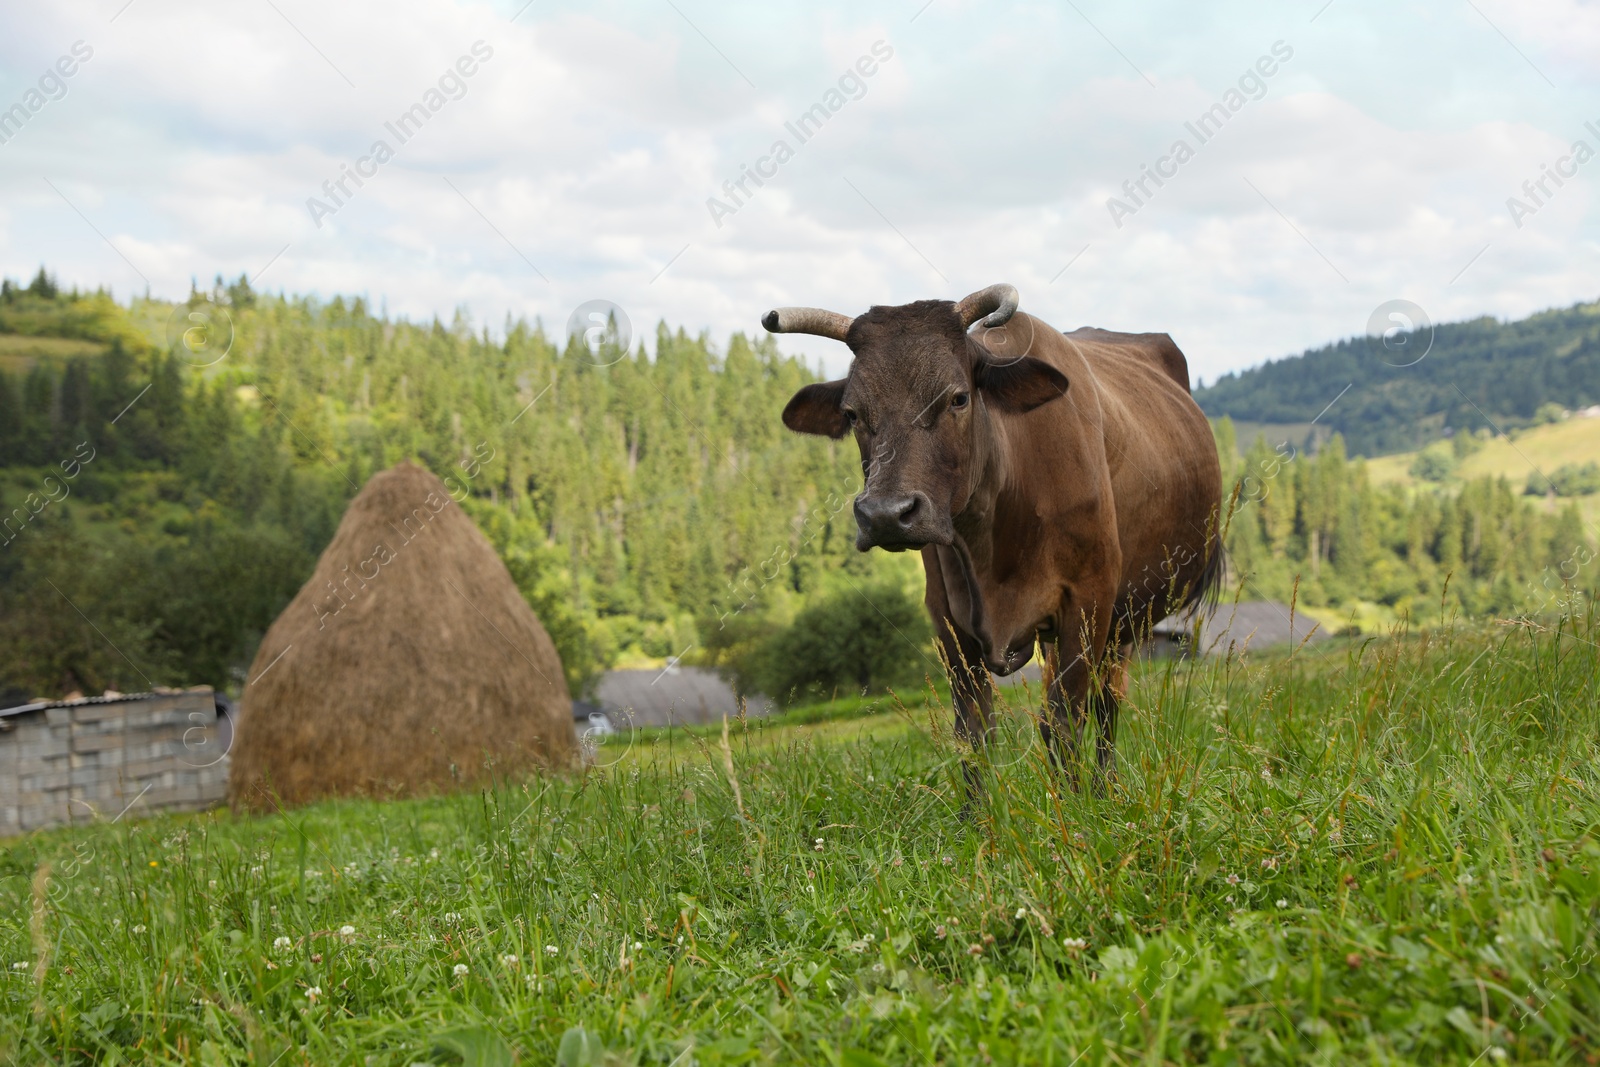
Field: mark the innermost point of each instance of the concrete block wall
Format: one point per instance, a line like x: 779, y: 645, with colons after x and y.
x: 82, y: 762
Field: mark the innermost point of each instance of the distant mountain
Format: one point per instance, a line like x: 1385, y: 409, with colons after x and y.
x: 1475, y: 371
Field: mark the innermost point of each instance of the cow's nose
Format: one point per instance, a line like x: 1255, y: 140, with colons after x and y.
x: 890, y: 520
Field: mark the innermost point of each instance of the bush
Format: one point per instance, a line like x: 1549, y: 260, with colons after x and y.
x: 1433, y: 464
x: 1569, y: 479
x: 860, y: 638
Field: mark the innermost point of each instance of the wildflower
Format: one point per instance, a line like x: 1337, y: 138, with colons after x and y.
x: 1232, y: 879
x: 1282, y: 903
x: 316, y: 957
x: 452, y: 917
x: 153, y: 863
x: 212, y: 883
x: 20, y: 965
x: 1270, y: 863
x: 1497, y: 1053
x: 1074, y: 945
x: 818, y: 845
x: 896, y: 862
x: 1266, y: 812
x: 255, y: 872
x: 281, y: 943
x: 878, y: 967
x: 552, y: 950
x: 974, y: 950
x: 139, y: 929
x: 433, y: 853
x: 938, y: 931
x: 637, y: 945
x: 347, y: 931
x: 1128, y: 825
x: 1022, y: 913
x: 509, y: 959
x: 948, y: 861
x: 461, y: 970
x: 1228, y: 899
x: 1266, y: 773
x: 313, y: 993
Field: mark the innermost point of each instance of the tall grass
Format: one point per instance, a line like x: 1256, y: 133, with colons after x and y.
x: 1379, y: 851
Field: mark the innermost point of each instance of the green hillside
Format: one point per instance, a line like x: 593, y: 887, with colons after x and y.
x: 159, y: 506
x: 159, y: 514
x: 1474, y: 372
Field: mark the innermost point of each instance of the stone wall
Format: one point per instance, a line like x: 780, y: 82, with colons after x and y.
x: 96, y: 760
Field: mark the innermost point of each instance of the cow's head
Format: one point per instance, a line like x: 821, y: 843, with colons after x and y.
x: 918, y: 397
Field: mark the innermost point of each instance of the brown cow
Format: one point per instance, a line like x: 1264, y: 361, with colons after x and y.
x: 1068, y: 516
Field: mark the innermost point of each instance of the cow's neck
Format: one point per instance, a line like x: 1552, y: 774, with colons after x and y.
x: 968, y: 564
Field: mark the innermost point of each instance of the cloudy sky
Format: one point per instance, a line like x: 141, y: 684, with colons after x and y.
x: 576, y: 160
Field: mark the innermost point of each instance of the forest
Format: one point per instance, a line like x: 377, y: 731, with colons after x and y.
x: 159, y: 510
x: 1462, y: 376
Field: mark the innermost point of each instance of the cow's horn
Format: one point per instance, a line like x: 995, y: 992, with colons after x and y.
x: 994, y: 305
x: 807, y: 320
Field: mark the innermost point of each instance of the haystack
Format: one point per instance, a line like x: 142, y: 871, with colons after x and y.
x: 409, y: 663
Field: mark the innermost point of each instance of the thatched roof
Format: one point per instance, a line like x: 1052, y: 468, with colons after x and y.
x: 409, y: 663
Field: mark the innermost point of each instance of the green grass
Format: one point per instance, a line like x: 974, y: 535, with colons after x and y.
x: 1382, y: 852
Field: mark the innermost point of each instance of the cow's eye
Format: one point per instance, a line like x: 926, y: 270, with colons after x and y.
x: 958, y: 401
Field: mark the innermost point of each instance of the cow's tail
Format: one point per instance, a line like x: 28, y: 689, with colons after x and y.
x: 1207, y: 591
x: 1205, y: 594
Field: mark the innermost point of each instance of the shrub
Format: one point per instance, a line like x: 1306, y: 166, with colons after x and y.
x: 864, y: 637
x: 1434, y: 464
x: 1569, y: 479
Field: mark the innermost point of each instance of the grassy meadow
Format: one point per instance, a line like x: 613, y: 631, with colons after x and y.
x: 1373, y: 850
x: 1538, y: 448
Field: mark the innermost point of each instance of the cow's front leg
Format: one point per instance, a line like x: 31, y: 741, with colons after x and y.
x: 971, y: 690
x: 1073, y: 661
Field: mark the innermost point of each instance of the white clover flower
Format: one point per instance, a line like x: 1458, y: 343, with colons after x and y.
x: 1022, y: 913
x: 20, y: 965
x: 509, y: 959
x: 1074, y: 944
x: 818, y: 845
x: 139, y: 929
x: 281, y: 943
x: 1282, y: 903
x: 1232, y: 879
x: 461, y: 969
x: 313, y: 993
x: 552, y: 949
x: 347, y: 931
x: 637, y: 945
x: 452, y: 917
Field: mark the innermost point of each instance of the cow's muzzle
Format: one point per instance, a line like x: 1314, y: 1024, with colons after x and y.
x: 898, y: 521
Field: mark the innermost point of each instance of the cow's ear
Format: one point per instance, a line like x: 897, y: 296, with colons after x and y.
x: 815, y: 409
x: 1020, y: 385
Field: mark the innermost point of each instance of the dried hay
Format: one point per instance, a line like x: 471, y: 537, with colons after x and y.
x: 409, y: 663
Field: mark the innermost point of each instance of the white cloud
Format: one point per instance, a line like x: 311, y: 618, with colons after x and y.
x: 987, y: 145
